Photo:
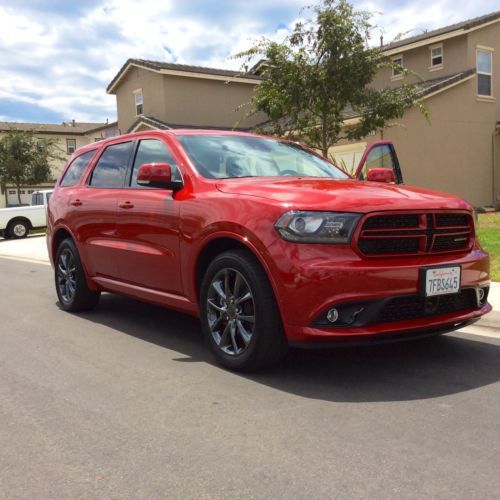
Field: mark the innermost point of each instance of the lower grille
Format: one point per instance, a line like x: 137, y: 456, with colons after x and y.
x: 413, y: 307
x: 402, y: 308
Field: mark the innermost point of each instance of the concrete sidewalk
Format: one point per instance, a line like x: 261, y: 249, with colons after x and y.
x: 34, y: 249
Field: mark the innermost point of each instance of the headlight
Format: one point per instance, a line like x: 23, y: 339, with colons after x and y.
x: 317, y: 227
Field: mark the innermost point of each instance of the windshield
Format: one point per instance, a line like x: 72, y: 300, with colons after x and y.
x: 226, y: 156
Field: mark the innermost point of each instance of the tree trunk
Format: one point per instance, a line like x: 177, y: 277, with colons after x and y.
x: 18, y: 187
x: 324, y: 138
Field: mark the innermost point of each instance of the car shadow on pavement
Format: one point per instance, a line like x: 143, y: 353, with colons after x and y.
x: 420, y: 369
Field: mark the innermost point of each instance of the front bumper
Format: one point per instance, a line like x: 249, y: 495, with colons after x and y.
x: 313, y: 280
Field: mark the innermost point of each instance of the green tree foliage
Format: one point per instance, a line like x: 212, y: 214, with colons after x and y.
x: 323, y: 68
x: 24, y: 159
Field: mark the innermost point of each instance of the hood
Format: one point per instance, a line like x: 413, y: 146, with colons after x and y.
x: 309, y: 193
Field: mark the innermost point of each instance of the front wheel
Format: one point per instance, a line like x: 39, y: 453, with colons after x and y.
x: 239, y: 314
x: 71, y: 284
x: 18, y: 229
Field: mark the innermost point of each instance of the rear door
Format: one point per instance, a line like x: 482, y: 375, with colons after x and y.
x: 148, y: 225
x: 95, y: 210
x: 380, y: 154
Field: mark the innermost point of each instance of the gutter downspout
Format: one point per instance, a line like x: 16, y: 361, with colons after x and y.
x: 495, y: 198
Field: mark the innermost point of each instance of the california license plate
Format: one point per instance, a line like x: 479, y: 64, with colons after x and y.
x: 441, y: 280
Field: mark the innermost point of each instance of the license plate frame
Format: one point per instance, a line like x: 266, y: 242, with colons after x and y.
x: 429, y: 287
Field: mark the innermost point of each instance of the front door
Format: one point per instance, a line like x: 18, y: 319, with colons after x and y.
x: 148, y: 225
x: 379, y: 155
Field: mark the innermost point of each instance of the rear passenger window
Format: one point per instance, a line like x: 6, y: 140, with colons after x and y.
x: 37, y: 199
x: 153, y: 151
x: 112, y: 166
x: 76, y: 169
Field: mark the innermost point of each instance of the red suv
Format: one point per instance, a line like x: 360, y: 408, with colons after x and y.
x: 267, y: 242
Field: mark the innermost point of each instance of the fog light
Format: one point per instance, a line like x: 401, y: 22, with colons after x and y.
x: 480, y: 295
x: 332, y: 315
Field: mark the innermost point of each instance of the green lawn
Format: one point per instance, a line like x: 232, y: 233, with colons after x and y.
x: 489, y: 236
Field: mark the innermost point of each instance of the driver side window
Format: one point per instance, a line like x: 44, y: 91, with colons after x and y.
x: 152, y: 151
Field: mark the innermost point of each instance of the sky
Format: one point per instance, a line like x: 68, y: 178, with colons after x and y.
x: 58, y: 56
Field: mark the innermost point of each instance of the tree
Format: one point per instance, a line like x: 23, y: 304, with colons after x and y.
x: 323, y: 68
x: 24, y: 159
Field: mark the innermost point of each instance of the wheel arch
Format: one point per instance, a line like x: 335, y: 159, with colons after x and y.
x: 60, y: 234
x: 19, y: 218
x: 222, y: 243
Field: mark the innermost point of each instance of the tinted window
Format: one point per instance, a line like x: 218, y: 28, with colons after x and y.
x: 153, y: 151
x: 76, y: 169
x: 111, y: 167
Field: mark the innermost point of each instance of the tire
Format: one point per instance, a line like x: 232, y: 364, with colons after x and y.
x: 18, y: 229
x: 243, y: 328
x: 71, y: 284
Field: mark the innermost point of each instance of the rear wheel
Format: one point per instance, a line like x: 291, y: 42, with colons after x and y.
x: 239, y: 314
x: 71, y: 285
x: 18, y: 229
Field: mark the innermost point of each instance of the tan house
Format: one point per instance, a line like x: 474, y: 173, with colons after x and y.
x: 68, y: 135
x: 457, y: 150
x: 151, y: 94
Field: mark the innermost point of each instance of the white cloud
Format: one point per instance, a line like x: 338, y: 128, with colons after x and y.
x: 64, y: 64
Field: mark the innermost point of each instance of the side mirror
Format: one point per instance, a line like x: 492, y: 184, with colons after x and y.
x: 381, y: 175
x: 157, y: 175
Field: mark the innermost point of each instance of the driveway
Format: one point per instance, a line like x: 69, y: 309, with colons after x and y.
x: 125, y: 402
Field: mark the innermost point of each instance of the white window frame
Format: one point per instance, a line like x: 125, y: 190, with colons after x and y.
x: 70, y: 149
x: 138, y: 101
x: 397, y: 76
x: 486, y: 50
x: 436, y: 67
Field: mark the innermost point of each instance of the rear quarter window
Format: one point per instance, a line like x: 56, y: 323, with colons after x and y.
x: 75, y: 170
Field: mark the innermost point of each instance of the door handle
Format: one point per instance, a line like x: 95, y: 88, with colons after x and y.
x: 126, y: 205
x: 76, y: 203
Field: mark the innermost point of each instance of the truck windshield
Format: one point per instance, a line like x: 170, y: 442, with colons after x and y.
x: 227, y: 156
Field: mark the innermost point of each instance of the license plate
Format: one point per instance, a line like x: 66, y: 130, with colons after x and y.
x: 441, y: 280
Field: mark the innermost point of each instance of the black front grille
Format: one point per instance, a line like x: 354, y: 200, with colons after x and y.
x: 391, y: 221
x: 451, y: 242
x: 415, y: 233
x: 413, y: 307
x: 389, y: 245
x: 448, y: 220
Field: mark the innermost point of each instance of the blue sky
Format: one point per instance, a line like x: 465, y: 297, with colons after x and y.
x: 58, y: 56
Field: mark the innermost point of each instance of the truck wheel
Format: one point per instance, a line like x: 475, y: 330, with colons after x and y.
x: 239, y: 315
x: 71, y: 285
x: 18, y: 229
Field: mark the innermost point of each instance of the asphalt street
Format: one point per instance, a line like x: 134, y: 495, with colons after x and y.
x: 125, y: 402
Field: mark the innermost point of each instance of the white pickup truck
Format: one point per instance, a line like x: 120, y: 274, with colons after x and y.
x: 16, y: 222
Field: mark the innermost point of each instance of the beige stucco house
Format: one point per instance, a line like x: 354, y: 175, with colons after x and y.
x: 68, y: 136
x: 457, y: 150
x: 151, y: 94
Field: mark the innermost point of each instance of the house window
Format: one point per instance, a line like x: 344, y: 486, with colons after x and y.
x: 138, y: 101
x: 70, y: 146
x: 437, y: 56
x: 484, y: 65
x: 397, y: 69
